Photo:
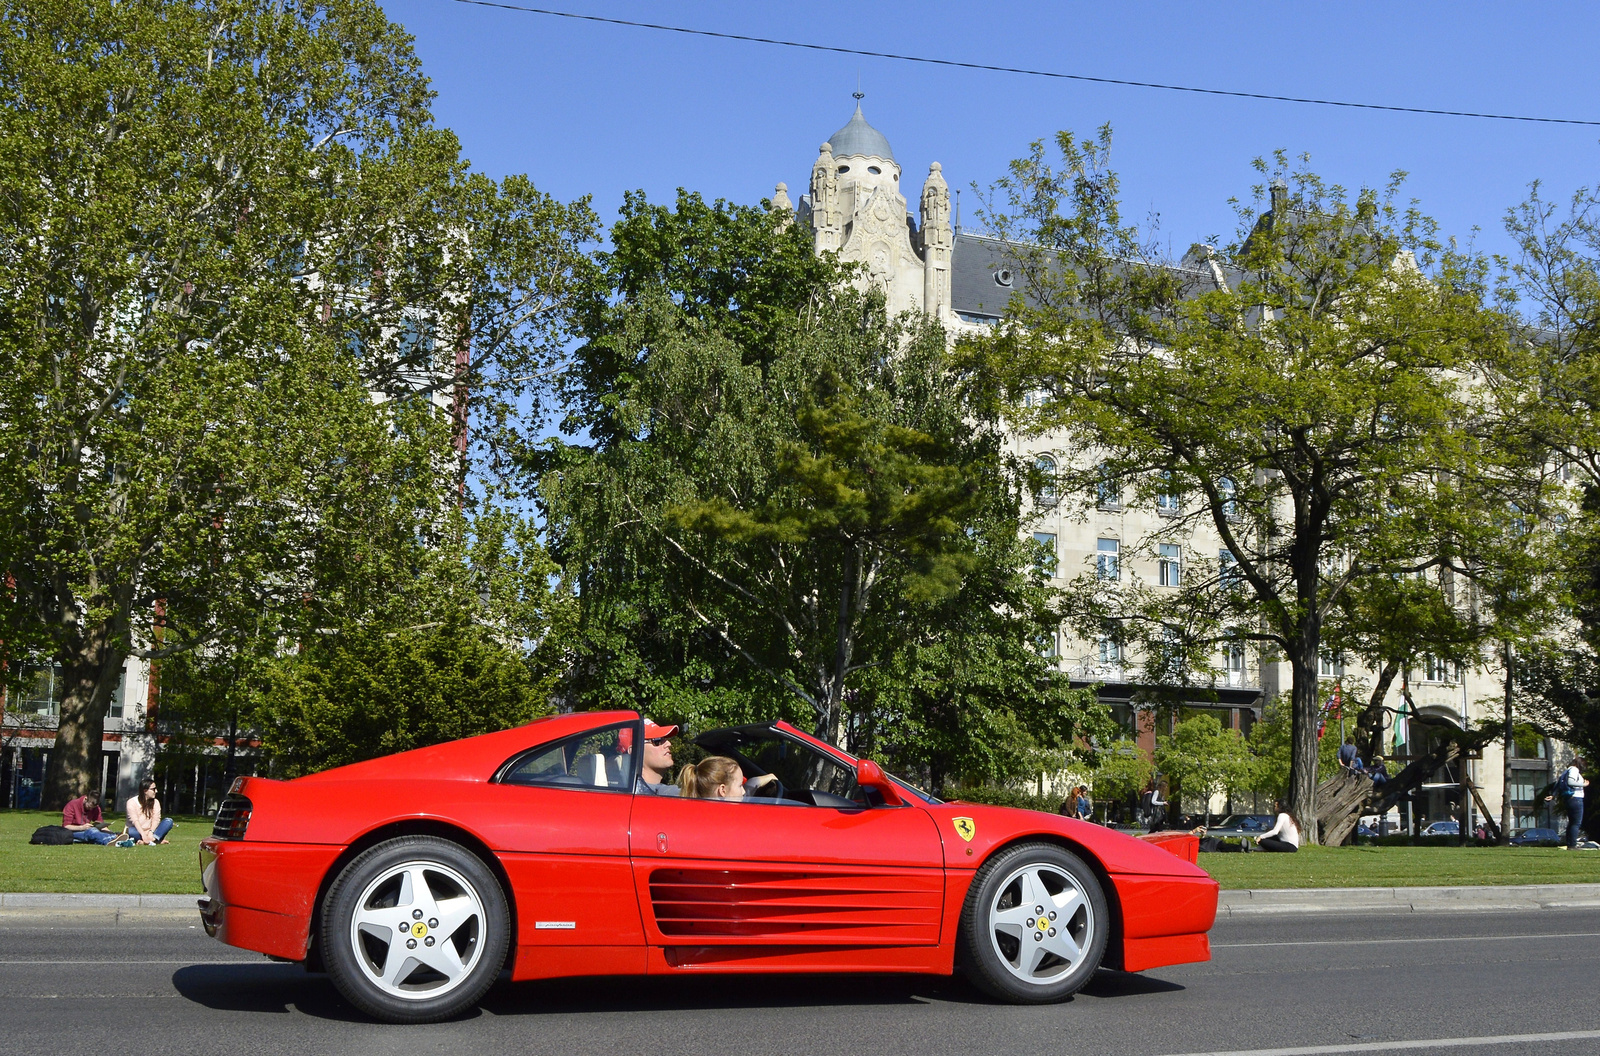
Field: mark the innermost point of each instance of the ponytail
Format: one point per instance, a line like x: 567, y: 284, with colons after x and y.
x: 688, y: 783
x: 700, y: 781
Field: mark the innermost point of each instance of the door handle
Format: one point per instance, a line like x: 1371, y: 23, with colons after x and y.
x: 661, y: 842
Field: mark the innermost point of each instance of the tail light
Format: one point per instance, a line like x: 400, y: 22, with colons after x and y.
x: 233, y: 817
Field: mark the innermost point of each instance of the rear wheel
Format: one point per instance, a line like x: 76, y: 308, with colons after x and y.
x: 415, y: 929
x: 1034, y: 926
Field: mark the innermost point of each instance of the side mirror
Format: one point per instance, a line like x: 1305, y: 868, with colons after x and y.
x: 870, y: 775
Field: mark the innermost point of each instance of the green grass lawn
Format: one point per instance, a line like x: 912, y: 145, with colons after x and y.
x: 1404, y: 867
x: 172, y: 869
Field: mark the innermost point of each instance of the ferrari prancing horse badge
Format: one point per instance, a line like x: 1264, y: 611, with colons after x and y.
x: 964, y: 828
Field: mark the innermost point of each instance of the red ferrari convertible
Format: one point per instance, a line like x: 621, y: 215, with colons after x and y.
x: 411, y: 879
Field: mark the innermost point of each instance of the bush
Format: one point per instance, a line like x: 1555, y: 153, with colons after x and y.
x: 1005, y: 797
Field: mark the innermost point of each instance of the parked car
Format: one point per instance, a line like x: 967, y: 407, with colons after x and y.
x: 1242, y: 825
x: 1535, y: 838
x: 1443, y: 828
x: 413, y: 879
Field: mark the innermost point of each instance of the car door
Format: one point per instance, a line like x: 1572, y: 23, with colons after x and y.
x: 562, y: 831
x: 786, y: 883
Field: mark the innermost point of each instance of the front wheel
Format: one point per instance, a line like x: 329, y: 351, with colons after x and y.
x: 1034, y: 926
x: 414, y: 930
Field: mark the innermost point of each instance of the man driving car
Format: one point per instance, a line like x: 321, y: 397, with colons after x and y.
x: 655, y: 761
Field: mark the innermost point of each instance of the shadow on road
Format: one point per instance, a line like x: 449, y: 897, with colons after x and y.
x: 723, y: 992
x: 265, y: 988
x: 284, y: 988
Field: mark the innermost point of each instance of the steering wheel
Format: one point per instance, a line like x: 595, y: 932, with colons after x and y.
x: 771, y: 790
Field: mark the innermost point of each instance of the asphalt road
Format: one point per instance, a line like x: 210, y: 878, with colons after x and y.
x: 1286, y: 985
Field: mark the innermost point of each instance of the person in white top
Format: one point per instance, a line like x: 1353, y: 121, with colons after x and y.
x: 1285, y: 835
x: 145, y: 823
x: 1571, y: 785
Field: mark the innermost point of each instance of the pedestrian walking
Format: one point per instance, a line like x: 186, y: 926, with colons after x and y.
x: 1569, y: 787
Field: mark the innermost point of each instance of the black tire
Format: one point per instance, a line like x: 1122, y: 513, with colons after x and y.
x: 1035, y: 966
x: 382, y: 883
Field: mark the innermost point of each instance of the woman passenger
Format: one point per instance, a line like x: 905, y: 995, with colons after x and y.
x: 714, y: 777
x: 718, y: 777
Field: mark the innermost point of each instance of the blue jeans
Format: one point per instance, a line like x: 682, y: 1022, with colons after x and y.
x: 1574, y: 821
x: 161, y: 830
x: 99, y: 836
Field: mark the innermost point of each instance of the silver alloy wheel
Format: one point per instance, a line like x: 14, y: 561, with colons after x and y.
x: 1040, y: 923
x: 417, y: 930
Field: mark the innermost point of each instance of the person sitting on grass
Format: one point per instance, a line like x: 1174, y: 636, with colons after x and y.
x: 145, y: 823
x: 83, y: 818
x: 1285, y: 835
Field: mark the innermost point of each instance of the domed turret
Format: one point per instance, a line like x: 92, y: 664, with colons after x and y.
x: 858, y: 137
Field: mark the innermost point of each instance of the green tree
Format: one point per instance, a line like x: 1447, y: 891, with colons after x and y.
x: 1203, y: 759
x: 790, y: 503
x: 1271, y: 744
x: 371, y: 691
x: 1121, y: 772
x: 1302, y: 393
x: 1553, y: 406
x: 222, y: 225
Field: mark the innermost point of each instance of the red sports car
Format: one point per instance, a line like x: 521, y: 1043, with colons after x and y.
x: 411, y: 879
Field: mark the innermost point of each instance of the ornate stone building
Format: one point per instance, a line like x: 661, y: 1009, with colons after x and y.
x: 856, y: 207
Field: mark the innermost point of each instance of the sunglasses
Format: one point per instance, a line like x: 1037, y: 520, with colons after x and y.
x: 657, y: 741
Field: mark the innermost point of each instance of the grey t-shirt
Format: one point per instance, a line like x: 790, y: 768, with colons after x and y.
x: 643, y: 787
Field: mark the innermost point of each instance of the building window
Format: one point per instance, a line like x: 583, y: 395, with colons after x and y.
x: 41, y: 689
x: 1233, y: 657
x: 118, y: 695
x: 1047, y: 495
x: 1527, y: 743
x: 1169, y: 566
x: 1167, y: 497
x: 1228, y: 577
x: 1328, y: 666
x: 1107, y: 491
x: 1044, y: 558
x: 1437, y: 670
x: 1108, y: 648
x: 1106, y: 562
x: 1047, y: 646
x: 1228, y: 492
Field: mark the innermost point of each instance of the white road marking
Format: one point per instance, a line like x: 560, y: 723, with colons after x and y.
x: 1383, y: 942
x: 1420, y: 1043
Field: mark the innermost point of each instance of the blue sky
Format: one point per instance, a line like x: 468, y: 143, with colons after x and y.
x: 594, y: 109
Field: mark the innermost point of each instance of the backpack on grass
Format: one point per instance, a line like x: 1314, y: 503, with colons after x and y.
x: 53, y: 835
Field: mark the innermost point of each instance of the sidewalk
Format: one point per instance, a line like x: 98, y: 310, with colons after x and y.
x: 146, y: 910
x: 1407, y: 899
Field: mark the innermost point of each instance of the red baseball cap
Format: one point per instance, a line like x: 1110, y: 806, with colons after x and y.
x: 651, y: 732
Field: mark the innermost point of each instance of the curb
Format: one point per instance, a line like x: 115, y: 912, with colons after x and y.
x: 98, y: 911
x: 1407, y: 899
x: 54, y: 902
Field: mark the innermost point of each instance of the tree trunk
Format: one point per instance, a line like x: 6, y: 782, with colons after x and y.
x: 1303, y: 737
x: 1509, y: 735
x: 89, y: 679
x: 1369, y: 725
